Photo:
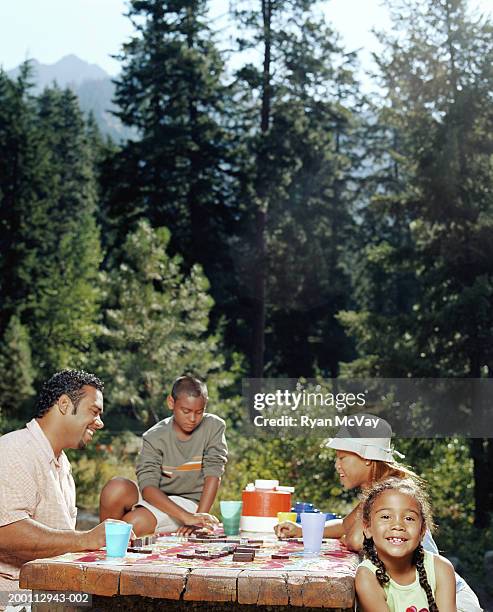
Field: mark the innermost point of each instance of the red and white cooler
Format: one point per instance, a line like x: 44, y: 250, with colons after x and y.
x: 261, y: 503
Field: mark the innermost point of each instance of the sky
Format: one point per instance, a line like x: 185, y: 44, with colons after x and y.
x: 95, y: 29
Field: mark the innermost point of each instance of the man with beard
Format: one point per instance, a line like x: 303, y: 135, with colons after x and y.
x: 37, y: 491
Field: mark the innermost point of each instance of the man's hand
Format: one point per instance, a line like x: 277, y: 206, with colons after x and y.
x: 33, y: 540
x: 95, y: 538
x: 288, y: 529
x: 199, y: 519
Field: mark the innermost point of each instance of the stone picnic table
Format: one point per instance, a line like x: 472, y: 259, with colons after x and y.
x: 173, y: 584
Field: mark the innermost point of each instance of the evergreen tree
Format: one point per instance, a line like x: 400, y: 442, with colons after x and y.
x: 64, y: 254
x: 16, y: 382
x: 50, y: 243
x: 299, y: 188
x: 310, y: 227
x: 176, y: 175
x: 437, y: 70
x: 156, y: 325
x: 20, y: 183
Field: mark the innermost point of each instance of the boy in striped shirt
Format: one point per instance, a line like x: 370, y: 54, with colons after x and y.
x: 178, y: 470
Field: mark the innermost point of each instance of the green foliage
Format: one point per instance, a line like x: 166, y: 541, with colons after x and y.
x: 62, y: 304
x: 156, y: 326
x: 176, y: 174
x: 16, y: 382
x: 298, y: 181
x: 94, y: 466
x: 426, y: 272
x: 20, y: 183
x: 50, y: 242
x: 447, y: 467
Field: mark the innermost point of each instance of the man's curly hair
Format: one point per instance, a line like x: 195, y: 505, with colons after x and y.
x: 68, y: 382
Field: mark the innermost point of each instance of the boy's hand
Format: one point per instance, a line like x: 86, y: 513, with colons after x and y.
x: 199, y: 519
x: 186, y: 531
x: 288, y: 529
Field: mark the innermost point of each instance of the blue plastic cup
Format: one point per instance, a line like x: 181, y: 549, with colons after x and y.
x: 312, y: 524
x: 303, y: 506
x: 117, y: 537
x: 300, y: 507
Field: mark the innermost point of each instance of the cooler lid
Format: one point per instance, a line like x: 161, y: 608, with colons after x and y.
x: 266, y: 484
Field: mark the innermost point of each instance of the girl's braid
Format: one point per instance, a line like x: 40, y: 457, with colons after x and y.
x: 418, y: 560
x: 371, y: 553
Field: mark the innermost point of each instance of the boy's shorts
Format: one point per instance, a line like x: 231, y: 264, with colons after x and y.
x: 164, y: 521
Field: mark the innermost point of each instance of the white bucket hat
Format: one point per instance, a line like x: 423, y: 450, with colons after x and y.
x: 353, y: 439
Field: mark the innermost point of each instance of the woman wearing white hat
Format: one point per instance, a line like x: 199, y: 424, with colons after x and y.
x: 361, y: 461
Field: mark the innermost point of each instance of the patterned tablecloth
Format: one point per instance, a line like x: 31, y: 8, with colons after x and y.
x: 334, y: 558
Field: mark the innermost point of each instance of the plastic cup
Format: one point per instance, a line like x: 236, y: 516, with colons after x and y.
x: 230, y: 515
x: 303, y: 506
x: 117, y: 537
x: 312, y: 524
x: 286, y: 516
x: 300, y: 507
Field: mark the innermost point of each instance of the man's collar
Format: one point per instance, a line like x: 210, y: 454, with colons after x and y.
x: 38, y: 434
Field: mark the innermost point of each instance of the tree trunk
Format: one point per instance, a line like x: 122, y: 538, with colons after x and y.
x: 489, y: 463
x: 197, y: 245
x: 259, y: 283
x: 259, y: 296
x: 480, y: 467
x: 481, y: 481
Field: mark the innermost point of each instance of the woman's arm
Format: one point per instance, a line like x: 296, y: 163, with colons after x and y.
x: 349, y: 529
x: 353, y: 530
x: 371, y: 597
x: 445, y: 585
x: 288, y: 529
x: 334, y: 528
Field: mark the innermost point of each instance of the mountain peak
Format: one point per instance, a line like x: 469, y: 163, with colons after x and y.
x: 70, y: 57
x: 93, y: 87
x: 73, y: 60
x: 69, y: 70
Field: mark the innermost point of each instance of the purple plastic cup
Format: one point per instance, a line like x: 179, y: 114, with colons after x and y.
x: 312, y: 524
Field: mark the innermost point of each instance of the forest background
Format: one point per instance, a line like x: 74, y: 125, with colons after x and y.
x: 271, y: 218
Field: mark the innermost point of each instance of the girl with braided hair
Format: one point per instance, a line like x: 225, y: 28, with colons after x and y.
x: 397, y: 575
x: 365, y: 458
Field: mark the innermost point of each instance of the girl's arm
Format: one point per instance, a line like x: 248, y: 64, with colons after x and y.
x: 445, y: 585
x: 369, y: 592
